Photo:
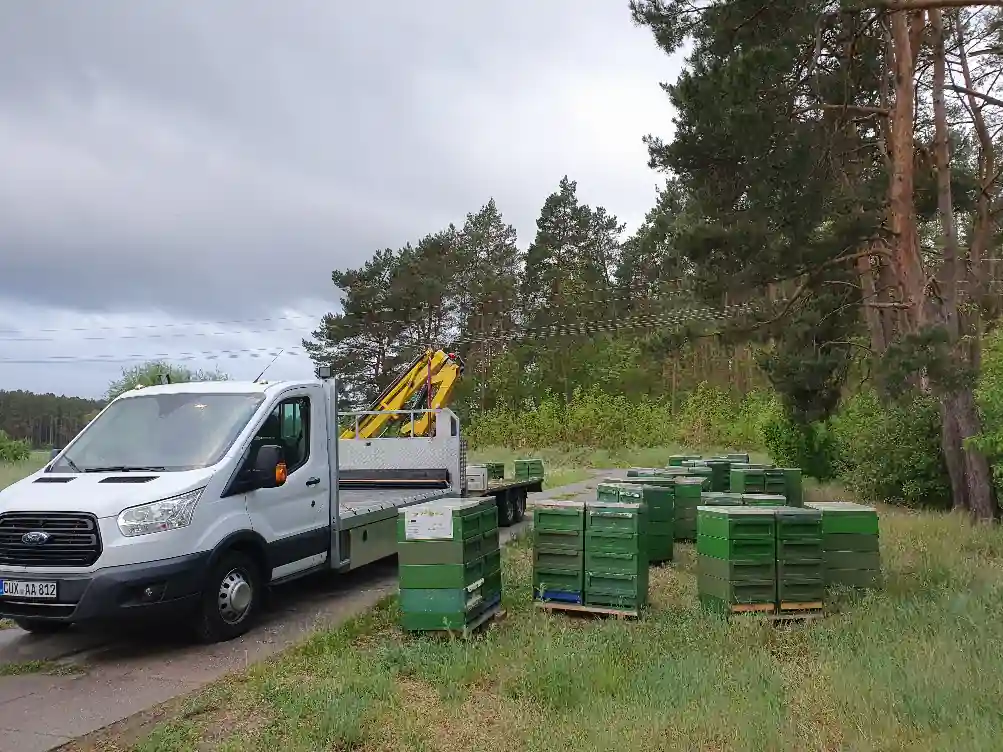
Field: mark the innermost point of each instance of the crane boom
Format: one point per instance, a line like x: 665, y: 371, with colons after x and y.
x: 426, y: 383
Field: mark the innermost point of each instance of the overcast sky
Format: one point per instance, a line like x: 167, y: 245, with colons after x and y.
x: 180, y: 177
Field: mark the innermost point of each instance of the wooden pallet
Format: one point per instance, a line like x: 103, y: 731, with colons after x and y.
x: 786, y: 612
x: 578, y: 608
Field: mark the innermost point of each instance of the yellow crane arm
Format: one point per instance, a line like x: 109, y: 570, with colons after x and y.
x: 444, y: 370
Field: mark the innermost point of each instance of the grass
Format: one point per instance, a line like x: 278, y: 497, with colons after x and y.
x: 37, y: 667
x: 11, y: 473
x: 918, y: 665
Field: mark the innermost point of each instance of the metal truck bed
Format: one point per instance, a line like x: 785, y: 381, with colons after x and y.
x: 363, y: 506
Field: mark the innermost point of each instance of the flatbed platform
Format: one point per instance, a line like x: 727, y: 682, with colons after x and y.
x: 363, y: 506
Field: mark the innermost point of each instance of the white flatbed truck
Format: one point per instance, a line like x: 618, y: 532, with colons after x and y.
x: 187, y: 501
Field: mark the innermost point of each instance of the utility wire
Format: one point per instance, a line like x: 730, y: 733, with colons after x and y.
x: 682, y: 316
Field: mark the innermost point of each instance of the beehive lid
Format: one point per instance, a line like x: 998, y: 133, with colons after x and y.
x: 840, y: 506
x: 689, y: 481
x: 815, y: 514
x: 556, y: 504
x: 615, y: 506
x: 735, y: 511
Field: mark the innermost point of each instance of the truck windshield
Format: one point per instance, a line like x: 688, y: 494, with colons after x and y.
x: 160, y: 432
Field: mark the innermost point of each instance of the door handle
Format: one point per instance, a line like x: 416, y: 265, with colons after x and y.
x: 313, y: 481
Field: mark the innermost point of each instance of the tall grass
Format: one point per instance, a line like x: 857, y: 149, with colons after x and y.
x: 13, y: 472
x: 918, y: 665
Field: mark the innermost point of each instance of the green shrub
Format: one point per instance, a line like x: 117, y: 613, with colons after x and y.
x: 813, y: 448
x: 13, y: 450
x: 892, y: 452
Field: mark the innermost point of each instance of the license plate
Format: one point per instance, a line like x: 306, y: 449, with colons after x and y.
x: 28, y: 589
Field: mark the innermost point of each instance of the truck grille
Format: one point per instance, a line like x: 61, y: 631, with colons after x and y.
x: 74, y: 539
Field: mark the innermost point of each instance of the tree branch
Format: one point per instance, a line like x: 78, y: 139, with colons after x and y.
x: 895, y: 5
x: 977, y: 94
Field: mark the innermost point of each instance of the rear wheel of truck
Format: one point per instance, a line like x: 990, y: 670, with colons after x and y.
x: 231, y: 599
x: 506, y: 508
x: 41, y: 626
x: 520, y: 504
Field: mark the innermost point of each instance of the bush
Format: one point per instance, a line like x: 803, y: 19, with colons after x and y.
x: 892, y: 452
x: 812, y: 448
x: 707, y: 417
x: 13, y: 450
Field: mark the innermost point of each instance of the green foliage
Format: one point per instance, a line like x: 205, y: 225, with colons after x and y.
x: 148, y: 374
x: 13, y: 450
x: 811, y: 446
x: 707, y: 417
x: 892, y: 452
x: 44, y: 420
x: 990, y: 400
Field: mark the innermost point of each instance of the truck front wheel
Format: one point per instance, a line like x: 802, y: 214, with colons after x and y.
x: 230, y: 600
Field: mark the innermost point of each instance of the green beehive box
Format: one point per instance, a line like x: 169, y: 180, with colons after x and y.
x: 447, y: 519
x: 800, y: 593
x: 601, y: 562
x: 439, y: 600
x: 558, y: 560
x: 545, y: 580
x: 615, y: 518
x: 737, y: 570
x: 737, y: 549
x: 736, y: 593
x: 720, y: 478
x: 737, y: 523
x: 803, y: 571
x: 528, y: 468
x: 559, y: 524
x: 737, y: 457
x: 660, y: 502
x: 605, y: 542
x: 660, y: 545
x: 793, y: 486
x: 747, y: 480
x: 444, y: 552
x: 800, y: 550
x: 430, y: 576
x: 845, y: 517
x: 496, y: 470
x: 798, y: 522
x: 617, y: 590
x: 434, y: 622
x: 647, y: 480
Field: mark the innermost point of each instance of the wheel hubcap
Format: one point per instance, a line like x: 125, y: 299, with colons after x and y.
x: 235, y: 595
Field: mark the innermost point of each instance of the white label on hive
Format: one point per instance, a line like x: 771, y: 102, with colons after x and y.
x: 428, y: 524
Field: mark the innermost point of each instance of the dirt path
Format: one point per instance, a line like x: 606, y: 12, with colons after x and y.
x: 103, y: 679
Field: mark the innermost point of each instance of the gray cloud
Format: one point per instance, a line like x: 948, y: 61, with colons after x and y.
x: 217, y: 160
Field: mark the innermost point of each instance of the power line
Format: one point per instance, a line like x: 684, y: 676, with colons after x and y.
x: 645, y: 321
x: 27, y: 335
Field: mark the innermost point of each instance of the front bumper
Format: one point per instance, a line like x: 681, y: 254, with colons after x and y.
x: 152, y: 589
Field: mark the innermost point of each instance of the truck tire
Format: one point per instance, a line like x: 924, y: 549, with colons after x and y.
x: 231, y: 599
x: 520, y: 504
x: 506, y: 508
x: 42, y: 626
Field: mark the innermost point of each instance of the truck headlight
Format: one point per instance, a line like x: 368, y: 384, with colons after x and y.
x: 158, y: 516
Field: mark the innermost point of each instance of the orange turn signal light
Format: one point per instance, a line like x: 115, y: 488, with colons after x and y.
x: 280, y: 473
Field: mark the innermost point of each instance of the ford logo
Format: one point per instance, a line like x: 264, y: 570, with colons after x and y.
x: 34, y: 538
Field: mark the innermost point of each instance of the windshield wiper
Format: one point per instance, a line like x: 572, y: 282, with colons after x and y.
x: 72, y: 464
x: 125, y: 469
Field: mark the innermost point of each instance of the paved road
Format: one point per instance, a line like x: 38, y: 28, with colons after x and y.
x: 129, y: 672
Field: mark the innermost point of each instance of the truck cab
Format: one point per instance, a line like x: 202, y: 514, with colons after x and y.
x: 176, y: 500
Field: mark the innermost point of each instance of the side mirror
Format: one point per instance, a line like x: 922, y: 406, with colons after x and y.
x: 53, y: 453
x: 269, y: 469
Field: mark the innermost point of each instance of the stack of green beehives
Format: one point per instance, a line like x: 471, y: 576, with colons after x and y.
x: 800, y: 559
x: 450, y: 563
x: 687, y: 499
x: 720, y: 479
x: 737, y: 559
x: 850, y: 538
x: 659, y: 521
x: 496, y: 470
x: 658, y: 496
x: 532, y: 468
x: 559, y: 551
x: 616, y: 556
x: 747, y: 480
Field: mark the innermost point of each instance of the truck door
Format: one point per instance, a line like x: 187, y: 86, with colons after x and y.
x: 294, y: 517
